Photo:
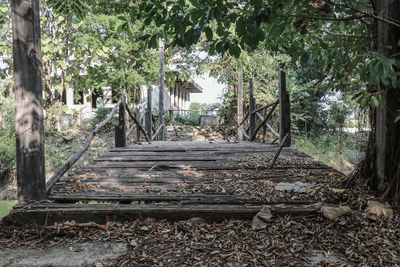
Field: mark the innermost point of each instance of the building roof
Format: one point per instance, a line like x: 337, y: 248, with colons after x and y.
x: 190, y: 85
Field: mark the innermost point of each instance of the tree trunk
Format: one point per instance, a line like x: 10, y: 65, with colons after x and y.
x: 387, y: 132
x: 28, y: 99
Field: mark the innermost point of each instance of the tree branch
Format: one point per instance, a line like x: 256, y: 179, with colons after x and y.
x: 343, y: 34
x: 365, y: 13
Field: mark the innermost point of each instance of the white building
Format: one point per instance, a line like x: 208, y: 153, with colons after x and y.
x: 177, y: 97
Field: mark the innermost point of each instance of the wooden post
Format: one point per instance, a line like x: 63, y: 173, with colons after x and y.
x: 284, y: 107
x: 240, y: 103
x: 252, y: 108
x: 120, y: 130
x: 27, y: 58
x: 148, y: 117
x: 137, y: 128
x: 264, y: 126
x: 161, y: 89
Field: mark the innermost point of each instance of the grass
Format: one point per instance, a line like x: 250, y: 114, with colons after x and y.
x: 6, y: 207
x: 326, y: 154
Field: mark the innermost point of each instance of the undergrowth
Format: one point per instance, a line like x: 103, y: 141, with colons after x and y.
x: 340, y: 150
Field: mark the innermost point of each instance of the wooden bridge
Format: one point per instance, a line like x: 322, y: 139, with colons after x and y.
x: 177, y: 180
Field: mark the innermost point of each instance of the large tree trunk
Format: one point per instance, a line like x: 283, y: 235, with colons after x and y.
x: 388, y: 132
x: 28, y: 99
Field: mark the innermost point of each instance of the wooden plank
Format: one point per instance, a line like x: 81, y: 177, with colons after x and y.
x: 118, y: 212
x: 212, y: 197
x: 27, y: 58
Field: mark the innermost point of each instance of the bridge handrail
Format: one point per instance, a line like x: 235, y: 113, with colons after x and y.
x: 74, y: 158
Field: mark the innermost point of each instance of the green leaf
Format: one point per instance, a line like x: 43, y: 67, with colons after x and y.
x: 397, y: 119
x: 234, y: 50
x: 374, y: 102
x: 209, y: 33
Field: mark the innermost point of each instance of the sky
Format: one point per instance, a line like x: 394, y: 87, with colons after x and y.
x: 212, y: 90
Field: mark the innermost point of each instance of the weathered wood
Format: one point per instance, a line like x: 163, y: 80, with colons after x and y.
x: 100, y: 213
x: 140, y: 121
x: 243, y: 132
x: 252, y: 108
x: 120, y: 130
x: 264, y: 107
x: 267, y: 126
x: 278, y: 151
x: 244, y: 119
x: 27, y: 59
x: 159, y: 130
x: 137, y: 123
x: 161, y: 81
x: 284, y: 106
x: 253, y: 137
x: 240, y: 104
x: 131, y: 130
x: 148, y: 117
x: 264, y: 126
x: 82, y: 150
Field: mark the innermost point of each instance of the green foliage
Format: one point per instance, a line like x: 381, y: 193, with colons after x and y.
x: 192, y: 119
x: 7, y: 143
x: 101, y: 115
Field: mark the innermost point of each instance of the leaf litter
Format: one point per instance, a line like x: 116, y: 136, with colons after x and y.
x: 359, y: 238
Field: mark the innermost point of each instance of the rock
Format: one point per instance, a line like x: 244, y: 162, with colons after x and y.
x: 377, y: 208
x: 335, y: 212
x: 261, y: 219
x: 298, y: 187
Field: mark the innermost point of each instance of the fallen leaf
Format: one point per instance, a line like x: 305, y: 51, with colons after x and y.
x: 335, y: 212
x: 377, y: 208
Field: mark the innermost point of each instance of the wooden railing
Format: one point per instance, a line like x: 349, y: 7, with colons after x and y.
x: 121, y: 136
x: 248, y: 125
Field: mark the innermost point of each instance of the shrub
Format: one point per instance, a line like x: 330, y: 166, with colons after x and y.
x: 193, y: 119
x: 101, y: 115
x: 7, y: 145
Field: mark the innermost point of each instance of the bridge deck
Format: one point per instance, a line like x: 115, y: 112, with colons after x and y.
x: 179, y: 180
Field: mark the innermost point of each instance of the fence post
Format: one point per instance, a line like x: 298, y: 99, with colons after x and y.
x: 252, y: 109
x: 137, y: 126
x: 161, y: 90
x: 240, y: 103
x: 148, y: 119
x: 284, y: 107
x: 120, y: 130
